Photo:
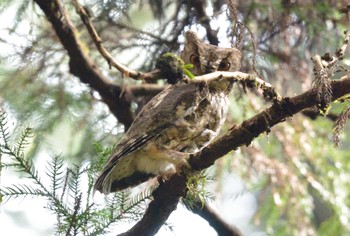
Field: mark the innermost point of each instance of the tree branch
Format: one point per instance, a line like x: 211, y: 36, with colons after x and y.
x: 213, y: 218
x: 82, y: 66
x: 111, y: 61
x: 203, y: 18
x: 262, y: 122
x: 168, y: 194
x: 145, y: 89
x: 165, y: 201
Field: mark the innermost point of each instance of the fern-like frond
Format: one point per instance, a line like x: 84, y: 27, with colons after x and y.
x: 339, y: 125
x: 4, y: 132
x: 322, y: 83
x: 75, y: 213
x: 102, y: 154
x: 196, y: 189
x: 104, y: 218
x: 55, y: 172
x: 21, y: 190
x: 143, y: 196
x: 74, y: 183
x: 120, y: 206
x: 22, y: 142
x: 27, y: 167
x: 137, y: 203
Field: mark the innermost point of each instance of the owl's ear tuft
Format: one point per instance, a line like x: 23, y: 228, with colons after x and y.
x: 191, y: 36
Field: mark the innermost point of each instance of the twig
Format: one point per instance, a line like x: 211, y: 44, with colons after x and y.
x: 241, y: 77
x: 341, y: 51
x: 328, y: 61
x: 339, y: 125
x: 104, y: 52
x: 139, y: 31
x: 324, y: 68
x: 239, y: 26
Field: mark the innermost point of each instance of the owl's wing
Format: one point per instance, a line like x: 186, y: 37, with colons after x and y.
x: 174, y: 102
x: 122, y: 150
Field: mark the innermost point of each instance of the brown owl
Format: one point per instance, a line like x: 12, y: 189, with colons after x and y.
x: 180, y: 120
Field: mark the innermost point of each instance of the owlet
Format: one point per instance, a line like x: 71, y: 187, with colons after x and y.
x: 179, y: 121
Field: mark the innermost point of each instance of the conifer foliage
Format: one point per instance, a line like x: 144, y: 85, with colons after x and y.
x: 75, y: 210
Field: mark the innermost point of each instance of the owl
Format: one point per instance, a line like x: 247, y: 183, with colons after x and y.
x: 179, y: 121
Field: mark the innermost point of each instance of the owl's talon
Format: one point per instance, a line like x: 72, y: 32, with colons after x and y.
x: 160, y: 179
x: 183, y: 162
x: 165, y: 175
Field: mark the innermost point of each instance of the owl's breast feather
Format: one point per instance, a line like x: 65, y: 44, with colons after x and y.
x: 177, y: 122
x: 199, y: 125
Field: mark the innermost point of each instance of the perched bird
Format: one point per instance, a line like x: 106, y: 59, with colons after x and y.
x: 180, y: 120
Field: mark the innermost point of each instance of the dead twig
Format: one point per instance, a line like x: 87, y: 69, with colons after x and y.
x: 153, y: 75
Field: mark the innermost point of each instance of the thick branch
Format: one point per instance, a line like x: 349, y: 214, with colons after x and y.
x: 213, y: 218
x: 82, y: 66
x: 169, y: 193
x: 262, y: 122
x: 203, y: 18
x: 145, y: 89
x: 165, y: 201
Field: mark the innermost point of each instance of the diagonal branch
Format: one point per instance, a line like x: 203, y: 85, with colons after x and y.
x: 214, y: 219
x: 167, y: 196
x: 82, y: 66
x: 262, y: 122
x: 151, y: 76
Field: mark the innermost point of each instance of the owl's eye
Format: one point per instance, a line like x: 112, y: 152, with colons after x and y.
x: 194, y: 59
x: 224, y: 66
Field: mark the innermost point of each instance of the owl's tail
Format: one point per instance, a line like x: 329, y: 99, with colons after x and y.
x: 107, y: 182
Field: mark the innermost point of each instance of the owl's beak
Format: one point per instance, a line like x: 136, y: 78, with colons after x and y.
x: 209, y: 69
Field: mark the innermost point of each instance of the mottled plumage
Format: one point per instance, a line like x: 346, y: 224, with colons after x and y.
x: 180, y: 120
